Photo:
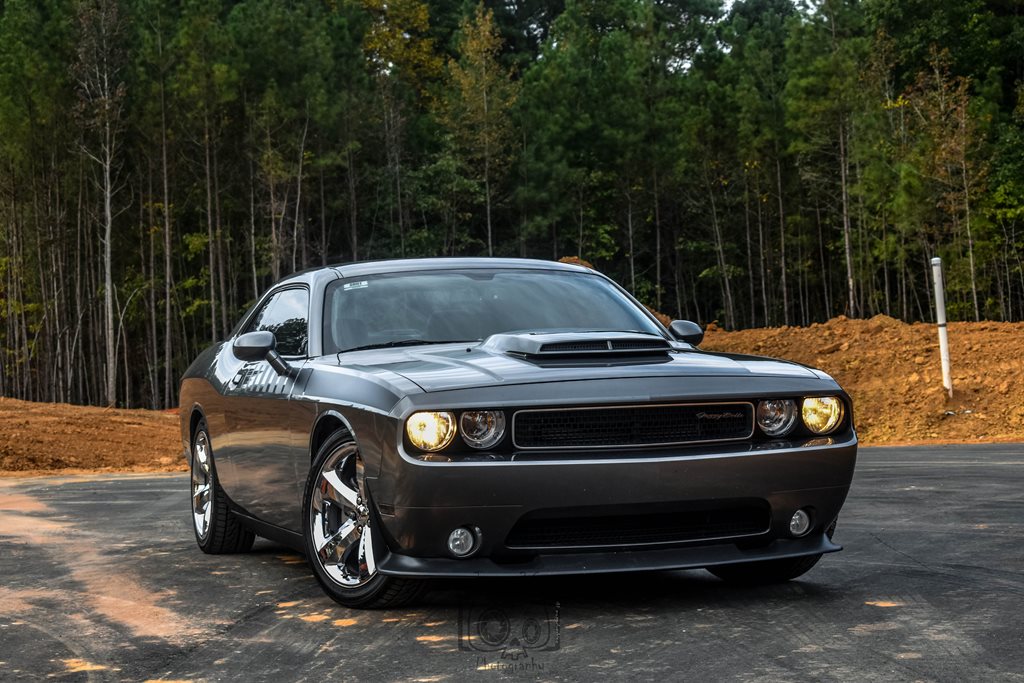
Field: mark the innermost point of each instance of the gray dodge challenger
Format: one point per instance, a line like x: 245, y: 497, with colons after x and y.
x: 401, y: 420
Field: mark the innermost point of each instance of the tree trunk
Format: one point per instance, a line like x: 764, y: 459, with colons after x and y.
x: 487, y: 198
x: 275, y: 237
x: 632, y: 256
x: 657, y: 244
x: 401, y: 210
x: 219, y: 236
x: 579, y: 226
x: 154, y: 361
x: 782, y: 242
x: 210, y: 243
x: 252, y: 229
x: 298, y: 192
x: 763, y: 257
x: 970, y: 240
x: 750, y: 248
x: 675, y: 277
x: 353, y: 214
x: 826, y: 293
x: 885, y: 266
x: 847, y: 239
x: 168, y: 273
x: 323, y: 218
x: 79, y: 306
x: 720, y: 253
x: 108, y: 275
x: 487, y: 174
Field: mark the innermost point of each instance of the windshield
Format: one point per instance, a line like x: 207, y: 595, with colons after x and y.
x: 469, y: 305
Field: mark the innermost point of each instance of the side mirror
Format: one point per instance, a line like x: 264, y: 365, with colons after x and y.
x: 254, y: 345
x: 686, y: 331
x: 262, y: 345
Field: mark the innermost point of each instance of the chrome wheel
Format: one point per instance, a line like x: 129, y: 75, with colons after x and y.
x: 339, y: 517
x: 202, y: 485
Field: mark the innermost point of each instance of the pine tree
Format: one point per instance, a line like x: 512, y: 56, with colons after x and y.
x: 477, y: 109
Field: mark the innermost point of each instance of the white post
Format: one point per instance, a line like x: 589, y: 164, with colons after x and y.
x: 940, y: 318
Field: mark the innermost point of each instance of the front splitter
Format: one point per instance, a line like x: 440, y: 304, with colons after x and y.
x: 687, y: 557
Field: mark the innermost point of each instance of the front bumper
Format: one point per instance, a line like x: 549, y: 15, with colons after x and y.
x: 697, y: 557
x: 423, y: 502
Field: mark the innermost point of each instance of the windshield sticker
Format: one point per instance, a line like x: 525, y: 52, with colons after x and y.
x: 356, y: 285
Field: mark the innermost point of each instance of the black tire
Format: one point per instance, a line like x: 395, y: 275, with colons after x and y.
x: 224, y: 533
x: 339, y: 455
x: 769, y: 571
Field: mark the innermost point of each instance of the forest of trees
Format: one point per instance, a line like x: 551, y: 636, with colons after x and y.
x: 758, y: 163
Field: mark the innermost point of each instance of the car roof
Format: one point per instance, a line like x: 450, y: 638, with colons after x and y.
x: 359, y: 268
x: 407, y: 265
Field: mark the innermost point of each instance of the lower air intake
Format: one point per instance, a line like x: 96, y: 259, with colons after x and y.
x: 549, y: 529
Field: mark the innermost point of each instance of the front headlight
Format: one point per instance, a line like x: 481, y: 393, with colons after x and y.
x: 430, y: 431
x: 822, y: 414
x: 776, y: 417
x: 482, y: 428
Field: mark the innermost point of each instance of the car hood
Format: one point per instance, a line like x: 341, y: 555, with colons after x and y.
x: 463, y: 366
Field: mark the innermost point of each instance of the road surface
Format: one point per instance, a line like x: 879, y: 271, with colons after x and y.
x: 100, y: 580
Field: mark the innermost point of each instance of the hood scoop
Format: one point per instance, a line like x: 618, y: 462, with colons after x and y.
x: 579, y: 345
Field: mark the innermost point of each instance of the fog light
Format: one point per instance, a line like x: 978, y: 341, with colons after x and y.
x: 799, y: 523
x: 461, y: 542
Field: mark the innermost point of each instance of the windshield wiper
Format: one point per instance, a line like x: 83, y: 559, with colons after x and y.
x: 407, y: 342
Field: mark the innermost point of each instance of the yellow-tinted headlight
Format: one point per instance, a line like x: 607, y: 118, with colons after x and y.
x: 430, y: 431
x: 822, y: 414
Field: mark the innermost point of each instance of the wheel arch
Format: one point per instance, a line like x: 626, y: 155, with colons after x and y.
x: 327, y: 423
x: 195, y: 417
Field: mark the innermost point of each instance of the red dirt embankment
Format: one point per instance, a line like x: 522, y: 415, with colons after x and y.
x: 892, y: 371
x: 39, y: 438
x: 890, y: 368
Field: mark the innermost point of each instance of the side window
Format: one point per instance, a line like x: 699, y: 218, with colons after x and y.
x: 285, y: 314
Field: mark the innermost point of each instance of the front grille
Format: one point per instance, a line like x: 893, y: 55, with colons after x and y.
x: 624, y: 426
x: 543, y: 530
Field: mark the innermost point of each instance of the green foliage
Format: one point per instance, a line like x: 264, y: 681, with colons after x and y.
x: 758, y: 162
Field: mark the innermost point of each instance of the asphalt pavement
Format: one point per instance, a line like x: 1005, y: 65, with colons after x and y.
x: 100, y: 579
